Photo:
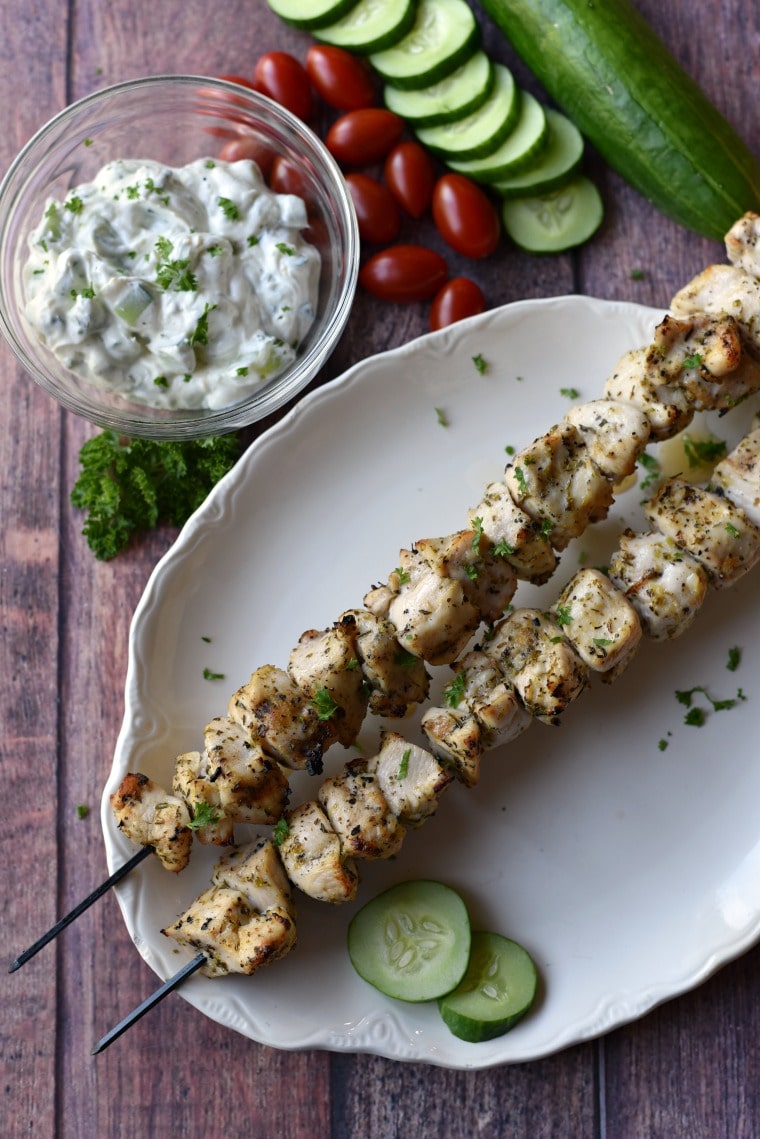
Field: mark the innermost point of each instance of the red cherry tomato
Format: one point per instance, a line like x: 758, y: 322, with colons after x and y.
x: 360, y: 137
x: 410, y: 174
x: 284, y: 79
x: 341, y: 79
x: 459, y: 297
x: 286, y: 178
x: 466, y: 218
x: 248, y: 147
x: 404, y: 273
x: 376, y: 210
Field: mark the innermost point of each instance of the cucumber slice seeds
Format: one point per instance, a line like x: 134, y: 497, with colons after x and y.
x: 459, y: 94
x: 445, y: 33
x: 480, y: 133
x: 311, y: 14
x: 370, y: 26
x: 554, y: 166
x: 497, y: 990
x: 557, y: 221
x: 521, y: 146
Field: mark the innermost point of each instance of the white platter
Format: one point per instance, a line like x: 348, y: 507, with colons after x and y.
x: 628, y: 871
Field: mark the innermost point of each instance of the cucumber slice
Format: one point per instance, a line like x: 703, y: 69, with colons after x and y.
x: 496, y: 991
x: 519, y: 149
x: 554, y: 166
x: 445, y: 33
x: 482, y: 132
x: 310, y: 14
x: 370, y: 26
x: 412, y: 942
x: 557, y: 221
x: 459, y: 94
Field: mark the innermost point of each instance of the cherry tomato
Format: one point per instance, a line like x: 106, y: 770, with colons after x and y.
x: 341, y: 79
x: 360, y: 137
x: 466, y: 218
x: 286, y: 178
x: 376, y: 209
x: 404, y: 273
x: 459, y: 297
x: 247, y: 146
x: 284, y: 79
x: 410, y: 174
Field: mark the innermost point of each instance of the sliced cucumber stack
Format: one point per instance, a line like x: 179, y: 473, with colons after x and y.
x: 481, y: 132
x: 444, y: 35
x: 496, y: 991
x: 554, y: 222
x: 412, y: 942
x: 555, y: 165
x: 369, y: 26
x: 459, y: 94
x: 311, y: 14
x: 519, y: 149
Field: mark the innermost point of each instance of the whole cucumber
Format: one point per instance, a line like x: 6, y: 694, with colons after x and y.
x: 604, y: 65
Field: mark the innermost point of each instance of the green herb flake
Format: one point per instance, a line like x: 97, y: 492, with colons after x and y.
x: 693, y: 360
x: 280, y: 831
x: 285, y: 249
x: 441, y: 417
x: 252, y: 239
x: 87, y: 141
x: 662, y: 745
x: 209, y: 675
x: 481, y: 364
x: 563, y: 616
x: 404, y: 659
x: 215, y: 250
x: 206, y: 640
x: 734, y: 658
x: 695, y: 717
x: 569, y: 393
x: 472, y: 572
x: 652, y: 466
x: 242, y: 371
x: 161, y: 382
x: 520, y: 478
x: 200, y: 332
x: 403, y: 576
x: 325, y: 705
x: 502, y: 549
x: 454, y: 692
x: 209, y: 164
x: 703, y: 451
x: 734, y: 531
x: 229, y: 209
x: 203, y: 815
x: 509, y: 449
x: 74, y: 205
x: 403, y: 767
x: 637, y: 274
x: 82, y: 810
x: 477, y: 529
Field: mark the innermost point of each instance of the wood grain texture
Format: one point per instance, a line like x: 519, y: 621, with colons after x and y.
x: 690, y: 1068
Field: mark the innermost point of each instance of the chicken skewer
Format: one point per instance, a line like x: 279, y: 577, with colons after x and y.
x: 363, y: 825
x: 550, y: 493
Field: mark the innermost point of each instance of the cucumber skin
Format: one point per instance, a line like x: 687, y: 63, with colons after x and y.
x: 603, y: 64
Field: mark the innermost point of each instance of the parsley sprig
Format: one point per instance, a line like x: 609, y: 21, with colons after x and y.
x: 129, y: 486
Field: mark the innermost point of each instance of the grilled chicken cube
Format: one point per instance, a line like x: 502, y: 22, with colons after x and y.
x: 539, y: 662
x: 256, y: 871
x: 706, y: 357
x: 664, y: 584
x: 397, y: 679
x: 325, y: 665
x: 743, y: 243
x: 287, y: 724
x: 666, y: 406
x: 458, y: 739
x: 359, y: 813
x: 615, y: 433
x: 223, y: 924
x: 513, y: 534
x: 411, y: 779
x: 150, y: 816
x: 600, y: 624
x: 313, y: 858
x: 232, y: 780
x: 709, y: 526
x: 724, y: 289
x: 556, y: 482
x: 431, y: 614
x: 738, y: 476
x: 488, y: 580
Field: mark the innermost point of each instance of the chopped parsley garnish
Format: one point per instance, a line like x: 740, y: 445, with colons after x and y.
x: 570, y: 393
x: 404, y: 658
x: 74, y: 204
x: 402, y: 575
x: 481, y: 365
x: 324, y: 704
x: 285, y: 249
x: 229, y: 209
x: 520, y: 477
x: 699, y: 451
x: 734, y: 531
x: 509, y: 449
x: 734, y: 658
x: 441, y: 416
x: 202, y: 815
x: 215, y: 250
x: 453, y: 693
x: 477, y: 527
x: 545, y: 528
x: 133, y: 192
x: 662, y: 745
x: 131, y: 485
x: 352, y: 665
x: 693, y: 360
x: 173, y: 274
x: 280, y: 831
x: 87, y: 141
x: 696, y: 716
x: 207, y: 640
x: 637, y: 274
x: 209, y: 164
x: 252, y: 239
x: 652, y: 467
x: 563, y: 615
x: 88, y: 292
x: 472, y: 572
x: 82, y: 810
x: 209, y: 675
x: 200, y: 332
x: 602, y: 642
x: 403, y: 767
x: 161, y: 382
x: 502, y: 549
x: 241, y: 371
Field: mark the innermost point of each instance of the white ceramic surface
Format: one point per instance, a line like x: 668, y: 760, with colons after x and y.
x: 629, y: 872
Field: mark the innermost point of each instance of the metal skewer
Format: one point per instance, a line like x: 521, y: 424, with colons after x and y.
x: 168, y: 987
x: 85, y: 904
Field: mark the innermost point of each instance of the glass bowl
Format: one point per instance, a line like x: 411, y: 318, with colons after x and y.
x: 176, y: 119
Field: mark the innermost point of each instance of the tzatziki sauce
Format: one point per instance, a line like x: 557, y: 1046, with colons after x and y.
x: 176, y: 287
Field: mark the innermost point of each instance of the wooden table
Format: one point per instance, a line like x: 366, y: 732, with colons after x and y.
x: 689, y: 1068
